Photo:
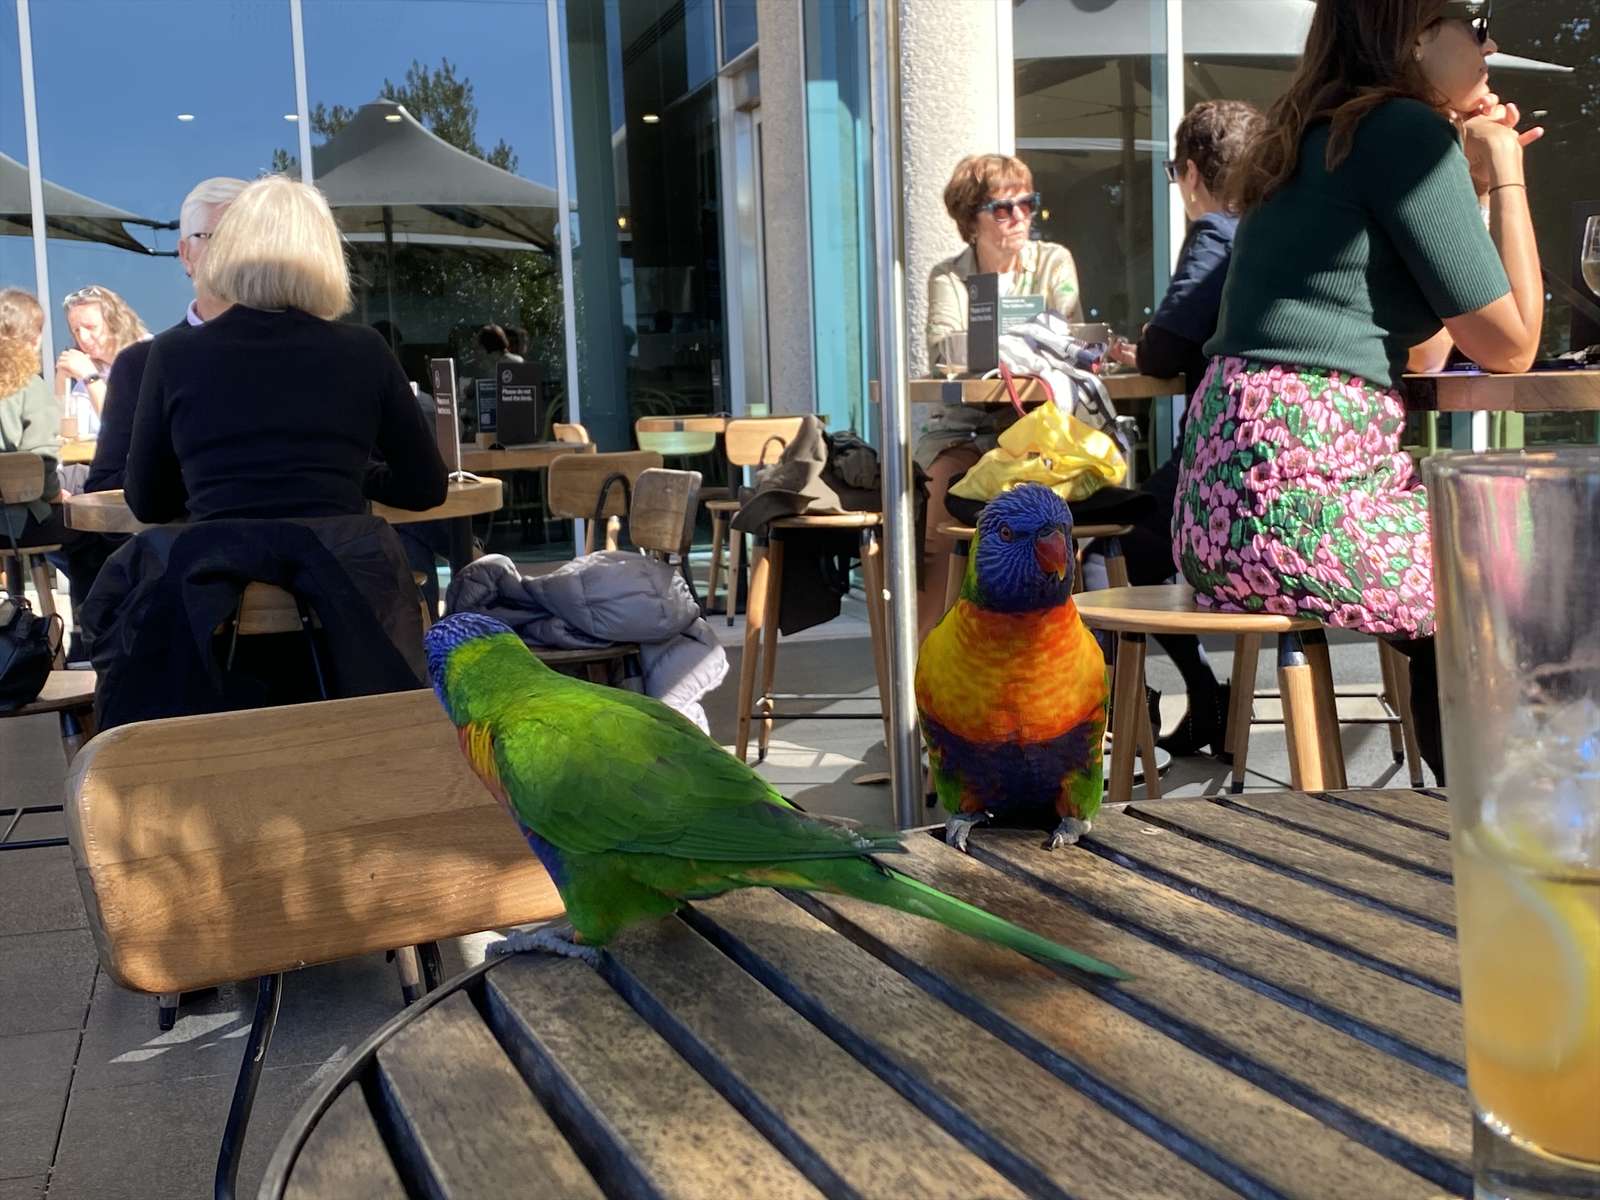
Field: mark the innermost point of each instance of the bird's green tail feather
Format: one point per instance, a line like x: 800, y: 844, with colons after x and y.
x: 868, y: 880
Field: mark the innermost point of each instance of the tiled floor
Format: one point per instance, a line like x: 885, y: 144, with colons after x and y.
x: 97, y: 1104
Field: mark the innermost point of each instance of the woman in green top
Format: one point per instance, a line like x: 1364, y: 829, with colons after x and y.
x: 1362, y: 253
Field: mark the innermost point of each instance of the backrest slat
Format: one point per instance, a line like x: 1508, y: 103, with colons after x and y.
x: 21, y: 477
x: 663, y: 505
x: 759, y: 441
x: 575, y: 480
x: 222, y: 847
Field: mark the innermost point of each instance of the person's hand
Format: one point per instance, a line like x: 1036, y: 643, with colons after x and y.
x: 1493, y: 144
x: 1124, y: 352
x: 75, y: 363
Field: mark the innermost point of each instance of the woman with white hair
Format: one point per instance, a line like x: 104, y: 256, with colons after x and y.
x: 273, y: 408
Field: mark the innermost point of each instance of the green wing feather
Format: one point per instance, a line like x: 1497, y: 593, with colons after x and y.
x: 594, y: 769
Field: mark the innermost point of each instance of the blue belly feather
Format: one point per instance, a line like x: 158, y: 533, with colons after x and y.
x: 1017, y: 782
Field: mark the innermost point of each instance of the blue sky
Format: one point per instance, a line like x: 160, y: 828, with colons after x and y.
x: 113, y: 75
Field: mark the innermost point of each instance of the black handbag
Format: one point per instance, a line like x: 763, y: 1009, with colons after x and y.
x: 29, y: 645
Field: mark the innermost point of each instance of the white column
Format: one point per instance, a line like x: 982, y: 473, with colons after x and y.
x: 954, y: 102
x: 30, y: 125
x: 302, y: 102
x: 786, y: 205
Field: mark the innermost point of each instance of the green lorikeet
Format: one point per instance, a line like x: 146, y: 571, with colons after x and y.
x: 634, y: 811
x: 1011, y: 687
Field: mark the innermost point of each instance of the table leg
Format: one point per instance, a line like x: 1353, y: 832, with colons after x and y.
x: 460, y: 544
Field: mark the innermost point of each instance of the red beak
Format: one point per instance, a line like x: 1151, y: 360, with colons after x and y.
x: 1051, y: 553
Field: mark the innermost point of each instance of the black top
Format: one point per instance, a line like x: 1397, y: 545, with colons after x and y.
x: 116, y: 416
x: 1187, y: 315
x: 277, y: 414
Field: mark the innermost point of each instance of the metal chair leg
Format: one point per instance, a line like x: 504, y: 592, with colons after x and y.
x: 167, y: 1010
x: 269, y: 995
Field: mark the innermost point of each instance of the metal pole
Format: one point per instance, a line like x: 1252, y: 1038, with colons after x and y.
x: 564, y: 223
x: 302, y: 105
x: 900, y: 580
x: 41, y: 255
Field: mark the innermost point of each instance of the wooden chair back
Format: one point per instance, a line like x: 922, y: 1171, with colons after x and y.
x: 570, y: 431
x: 265, y: 608
x: 223, y: 847
x: 21, y: 477
x: 662, y: 517
x: 759, y: 441
x: 575, y: 481
x: 674, y: 443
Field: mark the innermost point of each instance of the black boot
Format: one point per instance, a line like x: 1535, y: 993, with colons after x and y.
x: 1203, y: 726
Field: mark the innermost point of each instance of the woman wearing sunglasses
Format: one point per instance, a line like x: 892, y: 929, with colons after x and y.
x: 992, y: 200
x: 1362, y: 252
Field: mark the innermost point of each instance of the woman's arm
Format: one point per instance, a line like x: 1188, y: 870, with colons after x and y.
x: 153, y: 483
x: 947, y: 309
x: 41, y: 421
x: 1432, y: 354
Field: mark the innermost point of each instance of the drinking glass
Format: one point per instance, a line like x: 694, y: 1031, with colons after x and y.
x: 1589, y: 254
x: 952, y: 356
x: 1518, y: 582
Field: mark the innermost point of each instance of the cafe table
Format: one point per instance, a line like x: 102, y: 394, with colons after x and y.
x: 108, y: 512
x: 76, y: 450
x: 1482, y: 392
x: 991, y: 392
x: 1292, y: 1029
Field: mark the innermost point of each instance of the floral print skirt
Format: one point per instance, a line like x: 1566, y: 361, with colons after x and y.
x: 1295, y: 497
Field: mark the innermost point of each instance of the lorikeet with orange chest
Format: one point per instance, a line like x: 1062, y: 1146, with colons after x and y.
x: 1011, y: 686
x: 635, y: 812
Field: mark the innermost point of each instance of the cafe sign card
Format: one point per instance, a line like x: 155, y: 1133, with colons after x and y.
x: 989, y: 315
x: 520, y: 414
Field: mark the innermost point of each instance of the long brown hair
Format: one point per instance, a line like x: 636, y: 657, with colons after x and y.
x: 21, y: 323
x: 1359, y: 53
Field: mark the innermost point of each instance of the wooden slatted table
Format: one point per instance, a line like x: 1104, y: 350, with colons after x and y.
x: 1292, y: 1031
x: 990, y: 393
x: 1480, y: 391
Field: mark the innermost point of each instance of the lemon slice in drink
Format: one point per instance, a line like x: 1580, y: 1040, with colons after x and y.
x: 1530, y: 958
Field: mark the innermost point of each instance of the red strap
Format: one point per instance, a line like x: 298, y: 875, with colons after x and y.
x: 1011, y: 387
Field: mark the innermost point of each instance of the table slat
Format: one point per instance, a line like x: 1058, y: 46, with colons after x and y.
x: 1387, y: 841
x: 345, y: 1156
x: 1355, y: 875
x: 1084, y: 1149
x: 1416, y: 808
x: 1366, y: 931
x: 1234, y: 1035
x: 876, y: 1141
x: 677, y: 1129
x: 462, y: 1106
x: 1422, y: 1019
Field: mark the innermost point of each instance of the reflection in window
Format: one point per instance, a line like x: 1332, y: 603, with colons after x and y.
x: 738, y: 27
x: 432, y: 139
x: 212, y: 99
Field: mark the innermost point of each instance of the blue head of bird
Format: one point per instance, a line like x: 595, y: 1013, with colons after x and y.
x: 1022, y: 561
x: 464, y: 640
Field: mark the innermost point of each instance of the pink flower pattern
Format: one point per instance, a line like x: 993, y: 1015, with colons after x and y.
x: 1295, y: 497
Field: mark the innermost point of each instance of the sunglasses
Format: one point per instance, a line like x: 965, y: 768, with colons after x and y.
x: 1476, y: 13
x: 1003, y: 210
x: 1172, y: 167
x: 93, y: 292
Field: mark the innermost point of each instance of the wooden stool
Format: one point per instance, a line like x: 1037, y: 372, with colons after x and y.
x: 1082, y: 535
x: 70, y: 695
x: 749, y: 442
x: 1316, y: 757
x: 761, y: 622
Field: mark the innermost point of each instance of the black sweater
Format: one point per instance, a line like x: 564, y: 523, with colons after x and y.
x: 277, y: 414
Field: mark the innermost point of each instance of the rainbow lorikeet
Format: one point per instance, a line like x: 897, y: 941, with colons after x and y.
x: 1011, y: 687
x: 634, y: 811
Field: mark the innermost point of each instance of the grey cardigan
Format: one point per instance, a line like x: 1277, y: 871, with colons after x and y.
x: 30, y: 421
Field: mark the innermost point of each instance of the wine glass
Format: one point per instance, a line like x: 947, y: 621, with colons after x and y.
x: 1589, y: 255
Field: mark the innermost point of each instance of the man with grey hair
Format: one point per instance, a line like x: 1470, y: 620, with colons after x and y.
x: 197, y: 219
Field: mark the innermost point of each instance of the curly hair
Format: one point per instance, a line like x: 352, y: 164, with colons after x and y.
x: 21, y: 323
x: 975, y: 180
x: 1212, y: 136
x: 1358, y: 54
x: 123, y: 325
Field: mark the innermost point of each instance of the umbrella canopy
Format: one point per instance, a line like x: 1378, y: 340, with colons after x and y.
x: 67, y: 214
x: 1212, y: 29
x: 385, y: 160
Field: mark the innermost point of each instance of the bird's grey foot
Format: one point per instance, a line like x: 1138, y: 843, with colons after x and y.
x: 1066, y: 833
x: 543, y: 940
x: 959, y: 827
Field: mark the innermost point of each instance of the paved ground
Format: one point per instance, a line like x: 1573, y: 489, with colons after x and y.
x: 97, y: 1104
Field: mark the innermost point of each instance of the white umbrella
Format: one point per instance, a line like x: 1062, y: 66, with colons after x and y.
x: 67, y: 215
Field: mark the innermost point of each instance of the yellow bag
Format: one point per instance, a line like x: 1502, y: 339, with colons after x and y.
x: 1069, y: 456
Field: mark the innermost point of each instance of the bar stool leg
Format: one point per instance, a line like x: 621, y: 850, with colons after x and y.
x: 1298, y: 684
x: 735, y: 571
x: 877, y: 618
x: 1401, y: 671
x: 1328, y: 737
x: 750, y: 660
x: 1116, y: 565
x: 1127, y: 697
x: 956, y: 573
x: 1241, y: 704
x: 719, y: 538
x: 769, y: 644
x: 1391, y: 699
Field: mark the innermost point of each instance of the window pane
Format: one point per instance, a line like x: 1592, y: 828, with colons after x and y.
x: 432, y: 137
x: 210, y: 98
x: 738, y: 27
